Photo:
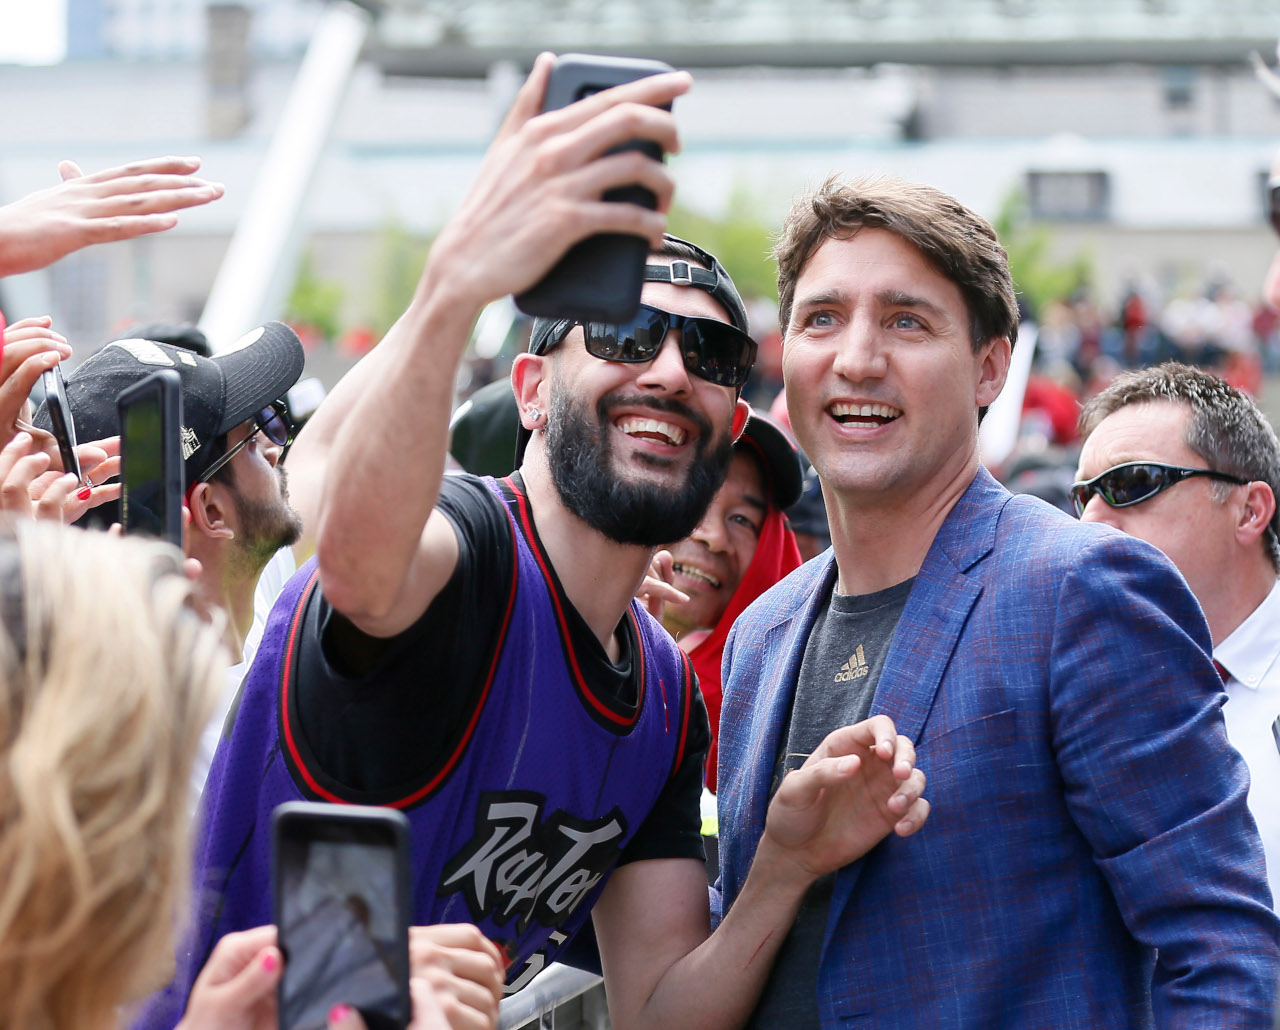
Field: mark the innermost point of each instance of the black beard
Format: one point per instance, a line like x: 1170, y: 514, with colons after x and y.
x: 266, y: 526
x: 641, y: 513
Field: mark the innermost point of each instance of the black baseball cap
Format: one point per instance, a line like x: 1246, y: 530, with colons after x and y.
x: 218, y: 393
x: 713, y: 279
x: 779, y: 456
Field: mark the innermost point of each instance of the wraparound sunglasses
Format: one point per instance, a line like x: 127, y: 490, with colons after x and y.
x: 1138, y: 481
x: 712, y: 350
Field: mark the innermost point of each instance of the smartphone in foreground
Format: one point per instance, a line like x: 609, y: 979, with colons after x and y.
x: 151, y: 456
x: 340, y: 897
x: 64, y: 427
x: 599, y: 279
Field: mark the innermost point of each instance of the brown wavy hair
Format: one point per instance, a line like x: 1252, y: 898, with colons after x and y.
x: 959, y: 243
x: 107, y: 675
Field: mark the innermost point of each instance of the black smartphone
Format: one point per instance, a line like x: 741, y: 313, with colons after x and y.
x: 340, y: 896
x: 151, y: 456
x: 64, y: 426
x: 599, y: 279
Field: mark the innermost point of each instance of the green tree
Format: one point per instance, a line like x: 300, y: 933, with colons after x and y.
x: 1037, y: 276
x: 398, y: 260
x: 741, y: 240
x: 315, y: 302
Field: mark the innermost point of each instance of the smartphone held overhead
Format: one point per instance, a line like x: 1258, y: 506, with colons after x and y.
x: 600, y: 278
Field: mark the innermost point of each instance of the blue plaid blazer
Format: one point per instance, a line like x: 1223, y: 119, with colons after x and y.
x: 1089, y: 861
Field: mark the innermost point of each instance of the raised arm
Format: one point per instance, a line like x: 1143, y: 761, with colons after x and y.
x: 663, y: 968
x: 117, y: 204
x: 384, y: 553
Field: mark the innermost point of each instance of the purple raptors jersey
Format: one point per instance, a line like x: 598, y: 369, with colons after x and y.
x: 519, y: 829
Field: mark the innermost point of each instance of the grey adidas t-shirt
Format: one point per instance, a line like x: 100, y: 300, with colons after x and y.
x: 838, y: 677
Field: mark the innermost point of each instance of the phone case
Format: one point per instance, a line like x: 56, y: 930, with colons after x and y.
x: 376, y: 827
x: 167, y: 386
x: 600, y: 278
x: 64, y: 426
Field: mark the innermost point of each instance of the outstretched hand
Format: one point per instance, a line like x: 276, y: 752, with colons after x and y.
x: 116, y: 204
x: 860, y: 785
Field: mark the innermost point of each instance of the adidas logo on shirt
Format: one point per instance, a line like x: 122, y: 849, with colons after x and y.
x: 854, y: 669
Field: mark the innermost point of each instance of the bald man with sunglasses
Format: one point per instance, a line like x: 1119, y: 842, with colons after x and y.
x: 1178, y: 458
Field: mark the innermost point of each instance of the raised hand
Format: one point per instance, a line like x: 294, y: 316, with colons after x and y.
x: 539, y: 188
x: 116, y: 204
x: 860, y: 785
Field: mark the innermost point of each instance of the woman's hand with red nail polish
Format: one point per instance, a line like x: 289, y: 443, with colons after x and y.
x: 30, y: 348
x: 236, y: 990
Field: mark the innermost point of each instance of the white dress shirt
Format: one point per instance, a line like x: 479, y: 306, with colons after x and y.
x: 1251, y: 656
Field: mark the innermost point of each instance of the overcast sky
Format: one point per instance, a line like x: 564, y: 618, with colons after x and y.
x: 32, y: 31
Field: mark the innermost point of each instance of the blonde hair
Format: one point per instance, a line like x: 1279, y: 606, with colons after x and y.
x: 107, y: 675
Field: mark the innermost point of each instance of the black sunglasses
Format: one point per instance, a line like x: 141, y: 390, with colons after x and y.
x: 1138, y: 481
x: 273, y: 421
x: 712, y: 350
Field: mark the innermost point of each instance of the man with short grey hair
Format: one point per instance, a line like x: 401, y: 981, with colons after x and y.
x: 1174, y: 426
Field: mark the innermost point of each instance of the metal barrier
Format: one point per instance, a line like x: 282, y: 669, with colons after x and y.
x: 551, y: 991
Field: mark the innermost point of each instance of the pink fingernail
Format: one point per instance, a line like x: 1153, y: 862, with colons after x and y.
x: 339, y: 1013
x: 84, y: 493
x: 270, y: 962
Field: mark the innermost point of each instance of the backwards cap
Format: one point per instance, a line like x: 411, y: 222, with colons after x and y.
x: 713, y: 279
x: 779, y: 455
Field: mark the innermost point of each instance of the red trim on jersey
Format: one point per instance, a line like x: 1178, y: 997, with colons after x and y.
x: 579, y: 679
x: 290, y: 743
x: 686, y: 711
x: 467, y: 734
x: 638, y: 657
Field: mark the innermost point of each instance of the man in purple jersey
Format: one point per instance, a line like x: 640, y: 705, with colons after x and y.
x: 617, y: 451
x: 468, y: 650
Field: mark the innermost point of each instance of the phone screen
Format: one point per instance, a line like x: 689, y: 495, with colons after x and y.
x: 142, y: 442
x: 339, y: 926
